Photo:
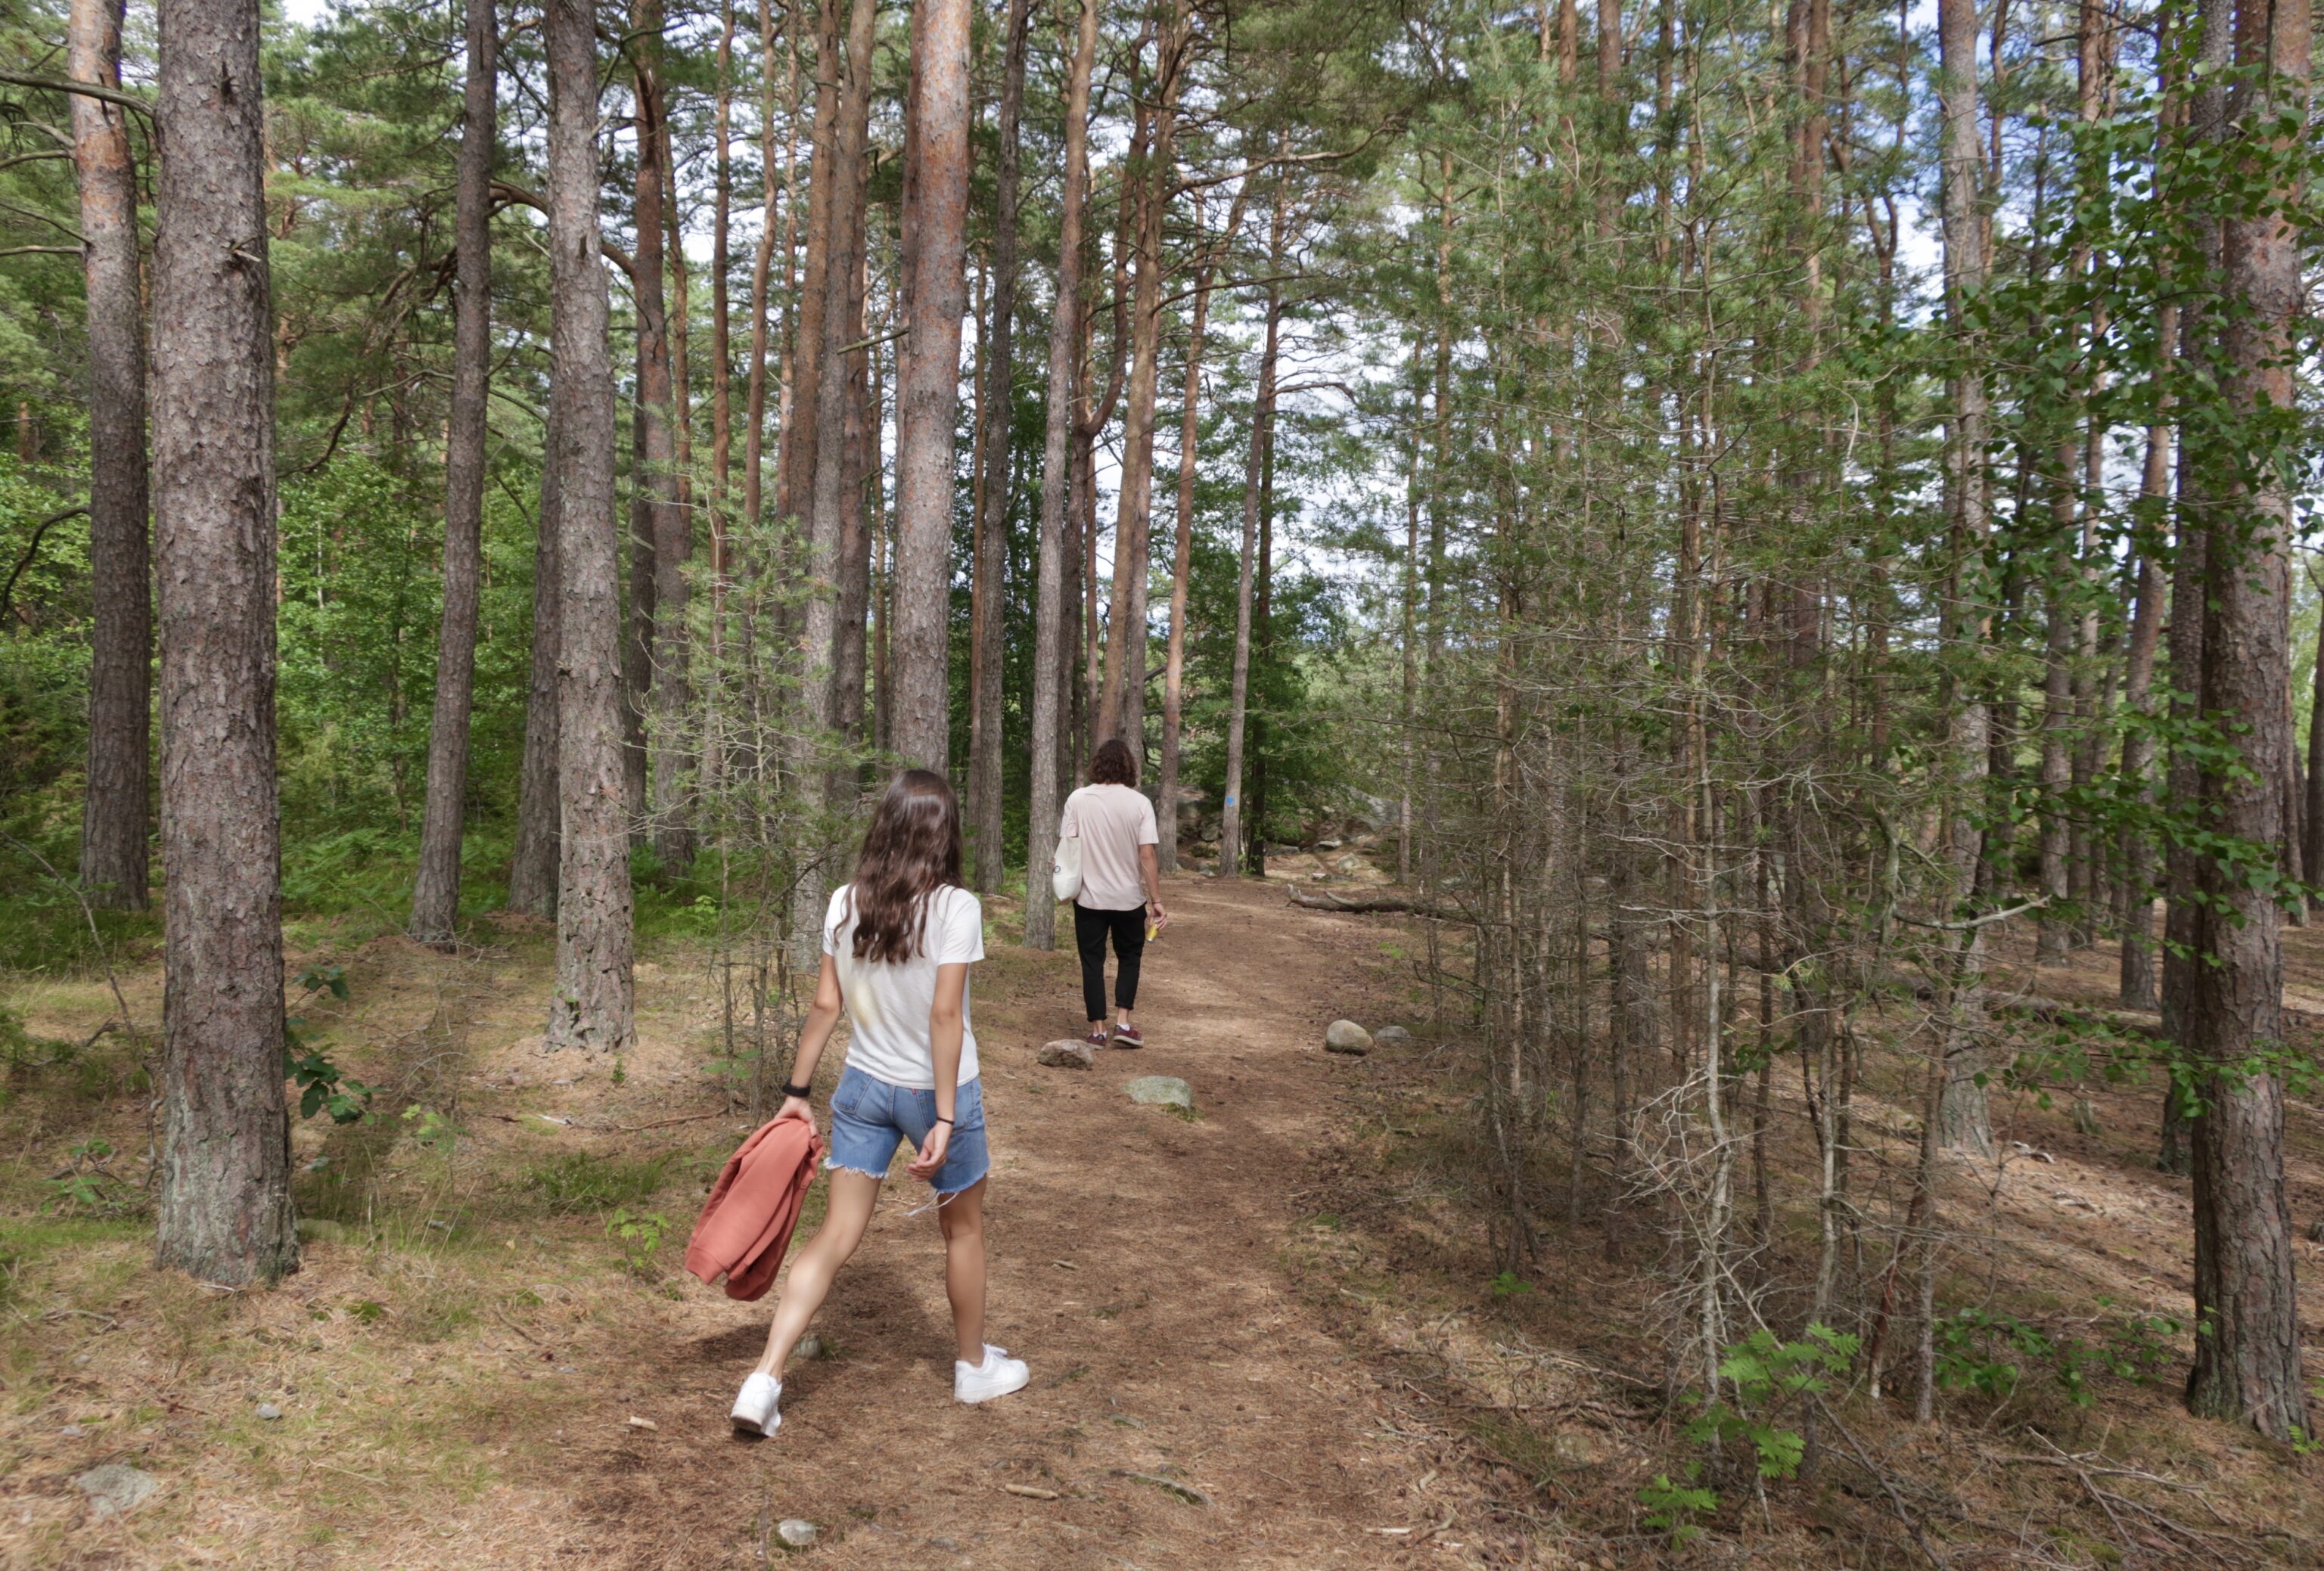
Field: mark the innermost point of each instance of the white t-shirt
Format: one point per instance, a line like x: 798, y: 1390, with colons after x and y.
x: 888, y: 1001
x: 1112, y: 821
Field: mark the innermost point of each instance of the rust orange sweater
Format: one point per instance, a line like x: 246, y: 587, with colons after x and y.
x: 746, y: 1224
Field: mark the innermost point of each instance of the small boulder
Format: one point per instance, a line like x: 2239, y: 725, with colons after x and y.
x: 1347, y: 1037
x: 2086, y: 1117
x: 1161, y: 1091
x: 116, y: 1487
x: 795, y: 1531
x: 1391, y: 1036
x: 268, y: 1411
x: 1067, y: 1053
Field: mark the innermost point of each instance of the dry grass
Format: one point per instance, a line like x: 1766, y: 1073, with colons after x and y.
x: 1286, y: 1306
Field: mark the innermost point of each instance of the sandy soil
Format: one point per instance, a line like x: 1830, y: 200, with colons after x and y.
x: 1191, y: 1403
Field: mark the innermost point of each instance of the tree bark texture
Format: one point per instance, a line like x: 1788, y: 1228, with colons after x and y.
x: 533, y: 871
x: 2248, y: 1346
x: 1051, y: 650
x: 656, y: 523
x: 593, y: 1008
x: 927, y: 378
x: 1965, y: 1123
x: 2207, y: 122
x: 435, y: 892
x: 671, y: 721
x: 794, y: 480
x: 1254, y: 508
x: 225, y: 1204
x: 985, y: 711
x: 114, y: 807
x: 842, y: 164
x: 1182, y: 554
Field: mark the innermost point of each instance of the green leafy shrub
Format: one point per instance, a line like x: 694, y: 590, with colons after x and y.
x: 1772, y: 1379
x: 1672, y: 1509
x: 638, y: 1237
x: 1990, y: 1355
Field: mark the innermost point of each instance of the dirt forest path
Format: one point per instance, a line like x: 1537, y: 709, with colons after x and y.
x: 1187, y: 1407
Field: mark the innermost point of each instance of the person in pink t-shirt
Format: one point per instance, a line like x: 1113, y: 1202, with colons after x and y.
x: 1121, y: 886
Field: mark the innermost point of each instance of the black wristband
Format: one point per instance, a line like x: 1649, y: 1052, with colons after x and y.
x: 943, y: 1120
x: 803, y: 1093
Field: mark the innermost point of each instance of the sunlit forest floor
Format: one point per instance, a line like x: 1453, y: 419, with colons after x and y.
x: 1271, y: 1334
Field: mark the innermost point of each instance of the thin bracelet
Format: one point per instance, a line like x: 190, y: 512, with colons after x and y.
x: 943, y: 1120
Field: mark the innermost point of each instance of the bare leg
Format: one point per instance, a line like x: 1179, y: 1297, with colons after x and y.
x: 962, y: 1217
x: 847, y: 1212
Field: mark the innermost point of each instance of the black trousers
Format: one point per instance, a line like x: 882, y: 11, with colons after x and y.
x: 1090, y: 931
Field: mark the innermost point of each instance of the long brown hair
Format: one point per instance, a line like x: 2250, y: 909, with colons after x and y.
x: 911, y: 851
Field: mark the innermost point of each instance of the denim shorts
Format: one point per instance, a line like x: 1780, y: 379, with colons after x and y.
x: 869, y: 1118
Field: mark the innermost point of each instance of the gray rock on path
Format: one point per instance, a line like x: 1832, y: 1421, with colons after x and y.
x: 795, y: 1531
x: 1347, y: 1037
x: 1161, y: 1091
x: 1066, y: 1053
x: 1391, y: 1036
x: 116, y: 1487
x: 269, y: 1412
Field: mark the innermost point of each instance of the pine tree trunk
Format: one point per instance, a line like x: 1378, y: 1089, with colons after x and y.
x: 533, y: 871
x: 927, y: 378
x: 714, y: 683
x: 2135, y: 902
x: 762, y: 267
x: 860, y: 457
x: 1182, y: 555
x: 1147, y: 180
x: 592, y: 1008
x: 2206, y: 122
x: 1254, y: 507
x: 840, y: 165
x: 1051, y: 644
x: 115, y: 808
x: 853, y: 587
x: 1958, y: 1101
x: 435, y: 892
x: 223, y: 1212
x: 984, y: 771
x: 2248, y: 1355
x: 656, y: 519
x: 803, y: 367
x: 672, y: 690
x: 2312, y: 821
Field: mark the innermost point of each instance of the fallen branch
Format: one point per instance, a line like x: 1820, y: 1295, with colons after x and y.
x: 1331, y: 900
x: 1896, y: 1501
x: 657, y: 1124
x: 1186, y: 1492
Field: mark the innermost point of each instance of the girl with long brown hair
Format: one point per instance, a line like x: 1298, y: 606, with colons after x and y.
x: 898, y: 942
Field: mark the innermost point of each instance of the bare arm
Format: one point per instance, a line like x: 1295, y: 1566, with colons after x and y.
x: 1149, y: 867
x: 822, y: 1017
x: 947, y: 1020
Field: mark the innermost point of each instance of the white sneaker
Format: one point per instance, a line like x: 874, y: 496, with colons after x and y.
x: 998, y: 1375
x: 755, y: 1413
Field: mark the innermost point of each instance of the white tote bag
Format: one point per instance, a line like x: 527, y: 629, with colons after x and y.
x: 1065, y: 876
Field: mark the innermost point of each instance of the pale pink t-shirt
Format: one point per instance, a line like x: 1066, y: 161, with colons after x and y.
x: 1112, y: 821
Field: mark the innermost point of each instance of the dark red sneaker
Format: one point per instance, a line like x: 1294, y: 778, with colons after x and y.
x: 1096, y: 1038
x: 1127, y: 1036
